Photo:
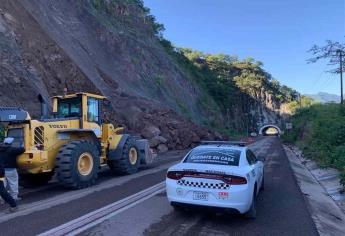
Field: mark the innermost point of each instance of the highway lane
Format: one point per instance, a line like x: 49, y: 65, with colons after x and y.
x: 34, y: 194
x: 282, y: 209
x: 60, y: 205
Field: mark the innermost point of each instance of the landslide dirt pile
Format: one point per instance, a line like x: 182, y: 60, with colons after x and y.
x: 112, y: 50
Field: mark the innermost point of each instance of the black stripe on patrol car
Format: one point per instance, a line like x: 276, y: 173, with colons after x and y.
x: 203, y: 185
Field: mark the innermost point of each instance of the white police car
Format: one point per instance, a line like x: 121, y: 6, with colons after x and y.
x: 217, y: 174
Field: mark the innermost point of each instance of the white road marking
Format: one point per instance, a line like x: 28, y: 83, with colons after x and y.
x: 27, y: 209
x: 96, y: 217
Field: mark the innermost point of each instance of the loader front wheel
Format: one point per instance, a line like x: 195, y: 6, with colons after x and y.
x: 128, y: 162
x: 77, y: 164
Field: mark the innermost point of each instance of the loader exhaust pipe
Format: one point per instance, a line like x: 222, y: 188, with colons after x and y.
x: 44, y: 107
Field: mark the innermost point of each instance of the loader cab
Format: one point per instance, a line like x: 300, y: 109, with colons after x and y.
x: 69, y: 107
x: 83, y: 106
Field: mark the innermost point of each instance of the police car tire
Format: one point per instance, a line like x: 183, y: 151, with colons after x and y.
x: 67, y: 164
x: 177, y: 207
x: 122, y: 166
x: 251, y: 213
x: 262, y: 187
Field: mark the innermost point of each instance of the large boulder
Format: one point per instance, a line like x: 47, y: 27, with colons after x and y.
x: 172, y: 124
x: 155, y: 141
x: 162, y: 148
x: 172, y: 145
x: 150, y: 131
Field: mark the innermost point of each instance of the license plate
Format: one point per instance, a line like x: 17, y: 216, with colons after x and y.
x: 203, y: 196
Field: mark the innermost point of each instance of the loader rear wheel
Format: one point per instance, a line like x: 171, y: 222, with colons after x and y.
x: 77, y: 164
x: 128, y: 162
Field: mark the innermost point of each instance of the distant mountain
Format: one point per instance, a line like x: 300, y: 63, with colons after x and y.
x: 324, y: 97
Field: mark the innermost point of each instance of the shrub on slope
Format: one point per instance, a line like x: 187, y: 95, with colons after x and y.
x: 320, y: 132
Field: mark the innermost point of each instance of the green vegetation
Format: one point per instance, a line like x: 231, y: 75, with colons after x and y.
x: 230, y: 89
x: 183, y: 109
x: 120, y: 9
x: 234, y: 84
x: 2, y: 132
x: 319, y: 131
x: 158, y: 80
x: 302, y: 103
x: 224, y: 75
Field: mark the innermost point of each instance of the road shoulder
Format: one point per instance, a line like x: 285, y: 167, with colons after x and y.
x: 328, y: 217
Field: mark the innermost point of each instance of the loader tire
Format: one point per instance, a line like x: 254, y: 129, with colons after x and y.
x: 35, y: 180
x: 77, y: 164
x: 128, y: 162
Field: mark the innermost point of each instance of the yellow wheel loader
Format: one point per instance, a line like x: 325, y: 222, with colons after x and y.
x: 74, y: 144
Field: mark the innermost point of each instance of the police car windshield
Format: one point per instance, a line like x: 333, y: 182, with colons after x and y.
x: 219, y: 156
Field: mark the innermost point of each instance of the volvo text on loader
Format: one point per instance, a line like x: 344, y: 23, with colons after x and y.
x: 74, y: 144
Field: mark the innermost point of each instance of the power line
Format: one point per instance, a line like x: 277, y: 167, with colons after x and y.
x: 318, y: 79
x: 325, y: 81
x: 330, y: 81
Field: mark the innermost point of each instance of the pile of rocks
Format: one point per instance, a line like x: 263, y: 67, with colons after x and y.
x: 163, y: 127
x: 153, y: 134
x: 167, y: 131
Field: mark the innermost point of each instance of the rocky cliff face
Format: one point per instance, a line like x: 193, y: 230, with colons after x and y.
x: 257, y: 111
x: 104, y: 47
x: 48, y: 45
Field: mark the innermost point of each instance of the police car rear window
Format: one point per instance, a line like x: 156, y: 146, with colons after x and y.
x: 227, y: 157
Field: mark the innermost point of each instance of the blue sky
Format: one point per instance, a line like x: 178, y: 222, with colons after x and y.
x: 276, y: 32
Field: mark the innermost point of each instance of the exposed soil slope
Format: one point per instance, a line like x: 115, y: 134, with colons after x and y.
x: 111, y: 48
x: 49, y: 45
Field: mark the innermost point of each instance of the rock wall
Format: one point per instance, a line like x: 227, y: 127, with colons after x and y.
x: 48, y: 45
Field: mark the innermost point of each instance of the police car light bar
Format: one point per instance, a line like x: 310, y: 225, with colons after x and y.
x: 231, y: 143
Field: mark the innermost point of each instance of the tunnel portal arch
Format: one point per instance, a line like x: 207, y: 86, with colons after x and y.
x: 269, y: 126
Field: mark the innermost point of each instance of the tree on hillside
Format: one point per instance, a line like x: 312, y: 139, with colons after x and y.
x: 304, y: 101
x: 234, y: 84
x: 334, y: 52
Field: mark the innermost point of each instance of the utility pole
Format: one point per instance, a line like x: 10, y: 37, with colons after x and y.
x: 334, y: 52
x: 341, y: 74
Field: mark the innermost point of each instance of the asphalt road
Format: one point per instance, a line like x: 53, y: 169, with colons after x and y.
x: 282, y: 209
x: 281, y: 206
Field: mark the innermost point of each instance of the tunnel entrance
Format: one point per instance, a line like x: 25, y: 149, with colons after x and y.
x: 270, y: 130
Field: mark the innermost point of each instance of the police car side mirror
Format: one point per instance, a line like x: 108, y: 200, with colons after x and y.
x: 262, y: 158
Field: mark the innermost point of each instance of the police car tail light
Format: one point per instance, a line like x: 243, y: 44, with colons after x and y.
x: 234, y: 180
x: 176, y: 175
